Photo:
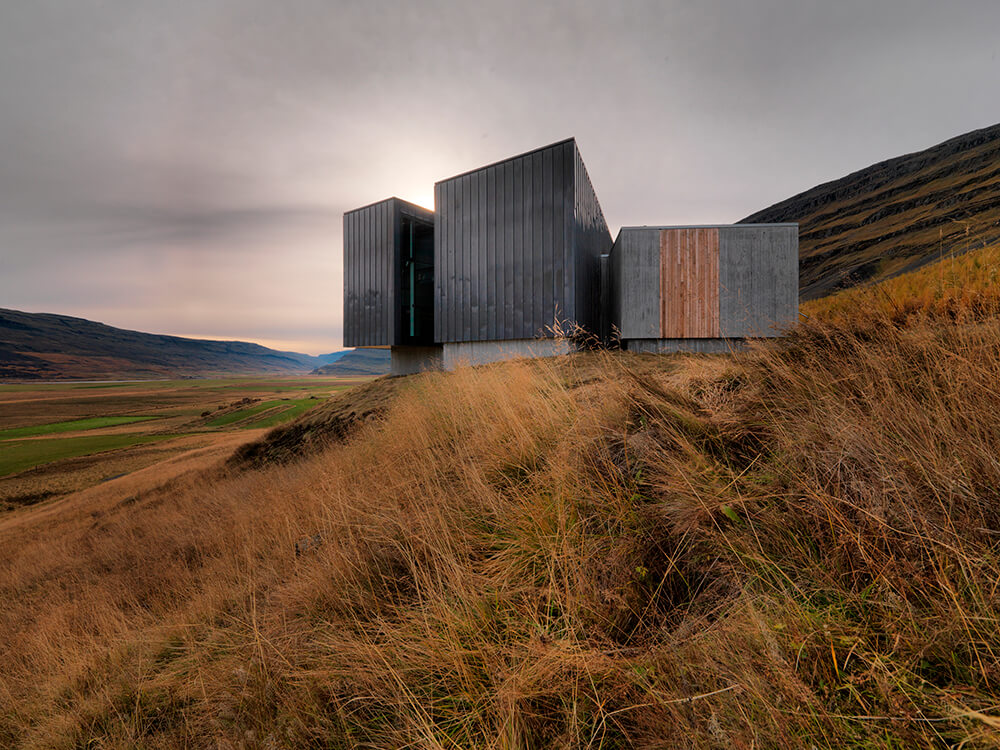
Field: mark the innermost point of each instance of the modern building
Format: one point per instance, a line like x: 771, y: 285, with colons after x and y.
x: 518, y: 253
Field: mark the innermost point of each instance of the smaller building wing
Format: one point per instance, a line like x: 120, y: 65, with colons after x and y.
x: 388, y: 274
x: 713, y: 282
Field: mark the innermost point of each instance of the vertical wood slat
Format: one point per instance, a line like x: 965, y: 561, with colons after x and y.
x: 689, y: 283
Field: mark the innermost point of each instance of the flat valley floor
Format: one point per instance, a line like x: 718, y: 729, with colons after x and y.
x: 57, y: 439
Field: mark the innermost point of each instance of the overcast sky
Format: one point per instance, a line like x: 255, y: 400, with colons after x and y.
x: 182, y: 167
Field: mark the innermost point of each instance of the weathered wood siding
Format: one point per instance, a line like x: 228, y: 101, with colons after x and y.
x: 725, y: 282
x: 689, y: 283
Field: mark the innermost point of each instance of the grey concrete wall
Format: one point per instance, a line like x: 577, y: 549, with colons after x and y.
x: 407, y: 360
x: 672, y: 346
x: 591, y: 240
x: 463, y: 353
x: 516, y: 247
x: 635, y: 272
x: 371, y: 271
x: 758, y: 279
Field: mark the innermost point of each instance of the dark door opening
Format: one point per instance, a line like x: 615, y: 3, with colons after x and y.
x: 417, y: 281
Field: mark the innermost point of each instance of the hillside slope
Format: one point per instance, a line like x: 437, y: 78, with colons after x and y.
x: 358, y: 362
x: 961, y: 288
x: 795, y: 546
x: 896, y: 215
x: 41, y: 345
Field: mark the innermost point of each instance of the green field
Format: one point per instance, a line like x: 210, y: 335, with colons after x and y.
x: 33, y: 418
x: 293, y: 409
x: 26, y: 454
x: 241, y: 414
x: 91, y: 423
x: 286, y: 409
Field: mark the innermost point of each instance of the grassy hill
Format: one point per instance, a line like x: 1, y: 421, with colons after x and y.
x: 963, y: 288
x: 789, y: 547
x: 39, y: 345
x: 897, y: 215
x: 794, y: 546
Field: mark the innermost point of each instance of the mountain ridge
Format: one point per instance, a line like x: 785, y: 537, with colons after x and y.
x: 52, y: 346
x: 895, y: 215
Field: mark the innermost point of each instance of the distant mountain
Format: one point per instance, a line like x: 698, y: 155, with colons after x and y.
x: 41, y: 345
x: 896, y: 215
x: 333, y: 356
x: 358, y: 362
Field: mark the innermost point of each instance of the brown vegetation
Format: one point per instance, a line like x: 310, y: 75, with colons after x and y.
x: 179, y: 412
x: 960, y: 289
x: 795, y: 546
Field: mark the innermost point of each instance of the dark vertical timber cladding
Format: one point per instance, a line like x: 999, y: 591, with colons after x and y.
x: 374, y: 317
x: 369, y: 288
x: 568, y: 221
x: 468, y: 214
x: 539, y: 321
x: 491, y: 253
x: 391, y: 272
x: 758, y: 279
x: 558, y: 229
x: 507, y: 212
x: 454, y: 244
x: 528, y: 267
x: 483, y: 269
x: 439, y: 230
x: 348, y: 268
x: 372, y: 271
x: 591, y: 241
x: 516, y: 228
x: 364, y: 236
x: 461, y: 297
x: 386, y: 238
x: 614, y: 277
x: 509, y: 237
x: 604, y: 329
x: 475, y: 274
x: 370, y: 253
x: 543, y: 237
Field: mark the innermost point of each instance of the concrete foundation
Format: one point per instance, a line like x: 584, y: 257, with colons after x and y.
x: 482, y: 352
x: 672, y: 346
x: 407, y: 360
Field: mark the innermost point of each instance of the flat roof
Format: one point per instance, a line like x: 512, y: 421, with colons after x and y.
x: 571, y: 139
x: 711, y: 226
x: 390, y: 200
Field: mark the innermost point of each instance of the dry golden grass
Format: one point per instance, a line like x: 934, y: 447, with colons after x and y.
x: 793, y: 547
x: 959, y: 288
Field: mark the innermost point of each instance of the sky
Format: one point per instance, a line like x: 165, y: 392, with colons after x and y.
x: 182, y: 167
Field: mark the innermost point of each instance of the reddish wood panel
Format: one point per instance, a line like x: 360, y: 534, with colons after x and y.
x: 689, y: 283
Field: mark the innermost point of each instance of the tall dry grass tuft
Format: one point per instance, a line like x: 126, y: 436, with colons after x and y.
x: 794, y: 546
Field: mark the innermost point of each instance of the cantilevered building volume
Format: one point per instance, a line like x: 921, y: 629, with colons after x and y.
x: 517, y: 248
x: 518, y: 251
